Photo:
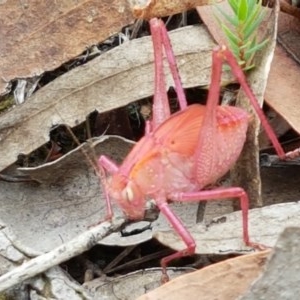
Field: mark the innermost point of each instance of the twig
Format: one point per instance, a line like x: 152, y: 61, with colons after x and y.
x: 60, y: 254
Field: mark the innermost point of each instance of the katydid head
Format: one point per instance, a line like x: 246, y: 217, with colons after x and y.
x: 128, y: 196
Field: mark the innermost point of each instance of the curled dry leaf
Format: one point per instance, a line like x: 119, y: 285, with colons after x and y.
x: 115, y: 146
x: 116, y: 78
x: 66, y: 202
x: 215, y: 281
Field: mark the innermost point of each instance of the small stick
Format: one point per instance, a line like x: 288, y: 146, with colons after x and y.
x: 66, y: 251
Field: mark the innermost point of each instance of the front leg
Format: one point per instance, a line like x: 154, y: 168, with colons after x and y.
x: 179, y: 227
x: 111, y: 167
x: 293, y: 154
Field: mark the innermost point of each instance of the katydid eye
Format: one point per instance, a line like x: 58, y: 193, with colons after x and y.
x: 127, y: 194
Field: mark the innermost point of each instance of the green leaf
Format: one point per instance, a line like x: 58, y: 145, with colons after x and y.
x: 245, y: 45
x: 242, y: 10
x: 252, y: 27
x: 249, y: 56
x: 247, y: 68
x: 230, y: 19
x: 252, y: 16
x: 256, y: 47
x: 234, y: 5
x: 230, y: 35
x: 246, y: 18
x: 252, y: 4
x: 235, y: 49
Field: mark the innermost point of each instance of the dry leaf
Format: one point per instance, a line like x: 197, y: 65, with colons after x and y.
x: 282, y: 90
x: 43, y: 35
x: 281, y: 277
x: 223, y: 235
x: 68, y: 200
x: 222, y: 281
x: 116, y: 78
x: 130, y: 285
x: 162, y: 8
x: 62, y: 253
x: 10, y: 255
x: 38, y: 36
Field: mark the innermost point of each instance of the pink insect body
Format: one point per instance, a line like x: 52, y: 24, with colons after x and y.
x: 163, y: 162
x: 182, y: 154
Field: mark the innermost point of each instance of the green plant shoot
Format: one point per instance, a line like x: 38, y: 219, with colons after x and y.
x: 241, y: 28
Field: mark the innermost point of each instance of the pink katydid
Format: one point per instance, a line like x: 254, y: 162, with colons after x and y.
x: 183, y: 153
